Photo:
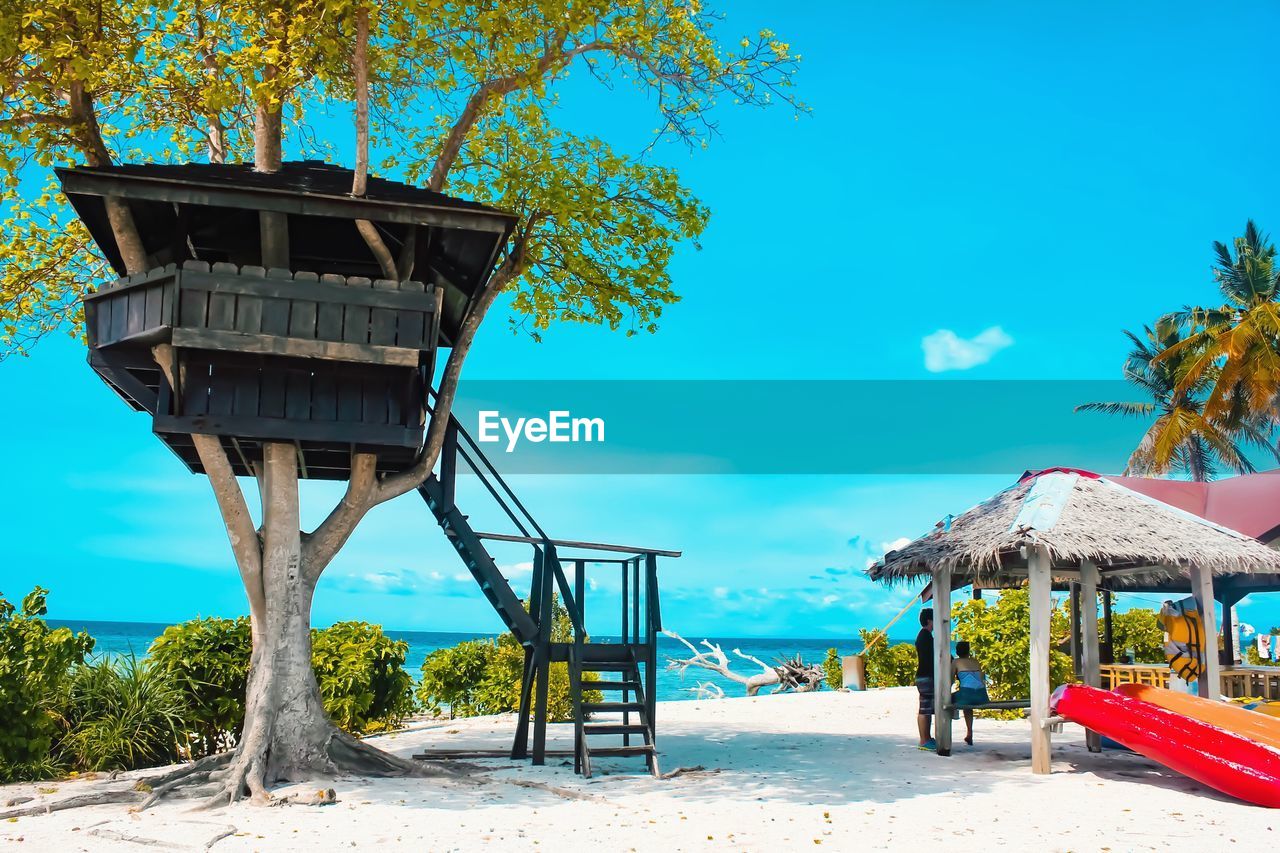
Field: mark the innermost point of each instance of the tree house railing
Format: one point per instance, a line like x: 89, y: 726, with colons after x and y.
x: 325, y: 361
x: 268, y: 312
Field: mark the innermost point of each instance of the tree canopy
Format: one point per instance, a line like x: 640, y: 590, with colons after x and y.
x: 463, y: 97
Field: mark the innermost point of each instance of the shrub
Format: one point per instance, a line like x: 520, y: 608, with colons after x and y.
x: 359, y: 669
x: 208, y: 659
x: 123, y: 714
x: 480, y: 677
x: 887, y: 666
x: 451, y: 677
x: 1000, y: 634
x: 1138, y: 632
x: 362, y: 677
x: 35, y: 665
x: 834, y: 670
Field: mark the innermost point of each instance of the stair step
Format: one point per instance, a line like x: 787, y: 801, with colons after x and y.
x: 610, y: 685
x: 642, y: 749
x: 608, y: 665
x: 606, y: 707
x: 614, y: 729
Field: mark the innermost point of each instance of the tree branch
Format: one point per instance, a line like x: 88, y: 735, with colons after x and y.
x: 398, y: 484
x: 320, y: 546
x: 360, y: 178
x: 231, y: 503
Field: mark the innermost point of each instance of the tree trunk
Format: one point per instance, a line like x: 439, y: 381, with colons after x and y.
x: 286, y: 733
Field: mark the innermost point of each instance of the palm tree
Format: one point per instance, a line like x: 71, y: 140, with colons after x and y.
x: 1182, y: 436
x: 1235, y: 346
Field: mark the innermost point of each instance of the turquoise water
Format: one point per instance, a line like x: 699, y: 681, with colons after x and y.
x: 122, y: 638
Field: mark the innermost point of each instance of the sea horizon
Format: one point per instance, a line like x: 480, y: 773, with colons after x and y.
x: 114, y: 638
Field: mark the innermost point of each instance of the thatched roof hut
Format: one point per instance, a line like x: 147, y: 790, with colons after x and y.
x: 1069, y: 525
x: 1076, y: 516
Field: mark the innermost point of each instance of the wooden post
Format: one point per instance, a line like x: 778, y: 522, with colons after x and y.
x: 1209, y: 684
x: 1089, y: 629
x: 653, y: 626
x: 942, y: 659
x: 1073, y: 601
x: 1041, y: 583
x: 520, y: 748
x: 1108, y: 651
x: 542, y: 654
x: 1229, y: 599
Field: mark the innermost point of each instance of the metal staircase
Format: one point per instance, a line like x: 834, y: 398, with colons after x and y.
x: 627, y: 706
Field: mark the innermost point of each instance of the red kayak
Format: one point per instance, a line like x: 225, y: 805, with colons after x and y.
x: 1223, y: 760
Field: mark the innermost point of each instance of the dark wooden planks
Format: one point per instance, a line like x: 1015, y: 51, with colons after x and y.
x: 262, y: 344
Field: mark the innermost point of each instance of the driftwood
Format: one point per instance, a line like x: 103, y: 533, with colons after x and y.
x: 792, y: 675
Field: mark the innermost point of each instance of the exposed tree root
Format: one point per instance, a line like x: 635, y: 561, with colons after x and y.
x: 232, y: 776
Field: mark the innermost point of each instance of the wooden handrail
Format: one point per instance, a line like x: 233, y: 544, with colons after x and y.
x: 569, y: 543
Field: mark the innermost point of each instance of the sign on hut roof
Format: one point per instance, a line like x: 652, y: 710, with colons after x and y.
x: 1076, y: 516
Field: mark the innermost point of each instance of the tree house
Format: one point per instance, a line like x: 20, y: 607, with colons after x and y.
x: 321, y: 351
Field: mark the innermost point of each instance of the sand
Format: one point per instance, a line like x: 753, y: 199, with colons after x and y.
x: 836, y: 770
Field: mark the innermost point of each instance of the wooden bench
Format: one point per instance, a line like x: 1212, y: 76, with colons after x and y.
x: 1010, y: 705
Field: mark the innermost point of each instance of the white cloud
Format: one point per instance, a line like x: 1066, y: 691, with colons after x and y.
x: 721, y: 592
x: 886, y: 547
x: 828, y: 600
x: 945, y: 350
x: 462, y: 577
x: 900, y: 542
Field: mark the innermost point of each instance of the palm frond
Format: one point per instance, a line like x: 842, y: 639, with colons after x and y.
x: 1126, y: 409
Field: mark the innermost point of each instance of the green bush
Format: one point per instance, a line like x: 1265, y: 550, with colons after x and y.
x: 360, y: 671
x: 480, y: 677
x: 123, y: 714
x: 35, y: 666
x: 887, y: 666
x: 362, y: 677
x: 834, y: 670
x: 209, y: 661
x: 451, y: 677
x: 1138, y: 632
x: 1000, y: 635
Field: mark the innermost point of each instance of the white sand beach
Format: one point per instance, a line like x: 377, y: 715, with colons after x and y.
x: 839, y: 770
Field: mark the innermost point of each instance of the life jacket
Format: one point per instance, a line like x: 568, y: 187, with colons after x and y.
x: 1184, y: 632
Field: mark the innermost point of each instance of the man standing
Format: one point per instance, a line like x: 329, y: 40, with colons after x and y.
x: 924, y: 678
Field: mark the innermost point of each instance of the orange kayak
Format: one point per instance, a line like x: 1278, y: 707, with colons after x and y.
x: 1232, y: 718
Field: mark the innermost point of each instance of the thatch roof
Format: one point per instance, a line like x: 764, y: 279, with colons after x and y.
x: 1076, y: 516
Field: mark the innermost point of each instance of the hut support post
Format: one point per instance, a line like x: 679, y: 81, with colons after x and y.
x: 1089, y: 630
x: 1108, y: 641
x: 1209, y: 684
x: 1229, y: 628
x: 1073, y: 596
x: 1041, y: 583
x: 942, y: 659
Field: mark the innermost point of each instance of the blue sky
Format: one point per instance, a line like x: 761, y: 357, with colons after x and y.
x: 988, y: 190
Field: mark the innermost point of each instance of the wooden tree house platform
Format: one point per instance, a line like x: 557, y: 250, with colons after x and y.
x: 325, y: 361
x: 322, y: 351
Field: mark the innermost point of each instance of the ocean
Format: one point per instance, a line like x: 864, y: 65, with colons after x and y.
x: 123, y: 638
